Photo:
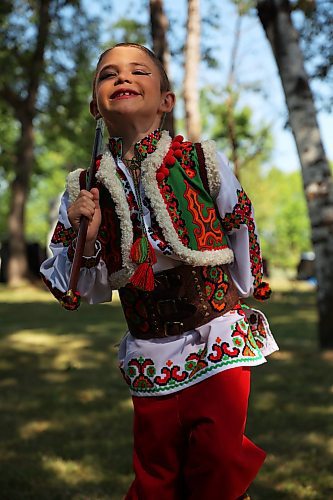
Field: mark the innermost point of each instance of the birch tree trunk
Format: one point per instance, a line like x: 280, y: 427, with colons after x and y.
x: 159, y: 26
x: 276, y: 19
x: 192, y: 61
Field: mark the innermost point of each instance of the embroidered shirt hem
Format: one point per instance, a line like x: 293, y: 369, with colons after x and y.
x: 240, y: 337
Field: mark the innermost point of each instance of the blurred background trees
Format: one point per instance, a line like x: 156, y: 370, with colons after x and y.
x: 48, y: 53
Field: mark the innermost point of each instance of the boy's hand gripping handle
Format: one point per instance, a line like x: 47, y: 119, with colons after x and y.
x: 71, y: 299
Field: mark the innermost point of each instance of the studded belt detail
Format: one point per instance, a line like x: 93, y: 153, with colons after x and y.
x: 184, y: 298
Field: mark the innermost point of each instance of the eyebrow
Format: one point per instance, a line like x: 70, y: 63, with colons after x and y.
x: 113, y: 66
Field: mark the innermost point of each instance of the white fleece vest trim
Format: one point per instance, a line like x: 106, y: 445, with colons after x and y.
x: 73, y: 184
x: 107, y: 175
x: 211, y: 162
x: 192, y: 257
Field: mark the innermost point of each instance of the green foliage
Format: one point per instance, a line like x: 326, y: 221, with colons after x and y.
x: 277, y: 196
x: 9, y: 132
x: 281, y: 215
x: 253, y: 142
x: 63, y: 126
x: 46, y: 188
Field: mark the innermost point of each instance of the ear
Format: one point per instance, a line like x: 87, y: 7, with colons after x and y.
x: 94, y: 110
x: 167, y: 102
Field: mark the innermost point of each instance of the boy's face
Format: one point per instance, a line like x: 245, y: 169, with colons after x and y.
x: 128, y: 89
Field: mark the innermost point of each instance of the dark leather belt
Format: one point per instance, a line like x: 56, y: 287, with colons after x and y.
x: 184, y: 298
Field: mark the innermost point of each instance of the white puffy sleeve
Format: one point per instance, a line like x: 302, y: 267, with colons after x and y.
x: 237, y: 215
x: 93, y: 285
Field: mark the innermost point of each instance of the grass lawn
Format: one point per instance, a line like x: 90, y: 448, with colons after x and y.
x: 66, y: 415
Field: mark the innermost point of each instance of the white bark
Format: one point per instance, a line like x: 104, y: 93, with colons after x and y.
x: 317, y: 179
x: 192, y: 61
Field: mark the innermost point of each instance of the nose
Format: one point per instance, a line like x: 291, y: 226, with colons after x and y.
x: 123, y: 77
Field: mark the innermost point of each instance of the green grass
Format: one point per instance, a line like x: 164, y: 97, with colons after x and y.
x: 66, y: 415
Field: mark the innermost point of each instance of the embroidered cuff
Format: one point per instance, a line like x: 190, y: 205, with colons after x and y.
x: 262, y: 291
x: 87, y: 262
x: 69, y: 300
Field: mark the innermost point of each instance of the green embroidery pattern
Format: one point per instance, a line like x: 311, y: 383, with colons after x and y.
x: 142, y: 375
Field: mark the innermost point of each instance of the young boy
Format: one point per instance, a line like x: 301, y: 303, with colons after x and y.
x: 172, y: 229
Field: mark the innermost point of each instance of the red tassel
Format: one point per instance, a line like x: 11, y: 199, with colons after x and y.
x: 143, y: 277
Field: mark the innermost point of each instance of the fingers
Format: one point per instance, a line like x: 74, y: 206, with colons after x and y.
x: 87, y: 194
x: 85, y: 205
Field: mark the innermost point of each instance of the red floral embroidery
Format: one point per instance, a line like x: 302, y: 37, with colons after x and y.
x: 178, y: 222
x: 142, y: 380
x: 170, y: 375
x: 242, y: 214
x: 63, y: 235
x: 220, y: 349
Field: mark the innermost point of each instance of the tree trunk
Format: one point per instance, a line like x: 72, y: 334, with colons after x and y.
x: 276, y: 19
x: 192, y: 61
x: 25, y: 111
x: 159, y: 27
x: 18, y: 270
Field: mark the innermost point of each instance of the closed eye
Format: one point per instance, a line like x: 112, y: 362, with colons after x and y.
x: 103, y: 76
x: 113, y: 74
x: 141, y: 72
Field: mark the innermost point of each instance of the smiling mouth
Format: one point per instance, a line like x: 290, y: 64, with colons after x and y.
x: 123, y: 94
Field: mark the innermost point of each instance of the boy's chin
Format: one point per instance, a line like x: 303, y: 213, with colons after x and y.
x: 121, y: 116
x: 124, y: 120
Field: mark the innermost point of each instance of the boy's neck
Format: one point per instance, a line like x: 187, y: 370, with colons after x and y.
x: 130, y: 136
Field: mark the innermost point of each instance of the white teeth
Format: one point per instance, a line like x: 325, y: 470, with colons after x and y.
x: 124, y: 93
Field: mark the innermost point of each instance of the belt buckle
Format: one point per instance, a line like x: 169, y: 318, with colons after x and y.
x: 168, y: 324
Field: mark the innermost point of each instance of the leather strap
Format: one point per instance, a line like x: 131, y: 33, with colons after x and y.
x: 184, y: 298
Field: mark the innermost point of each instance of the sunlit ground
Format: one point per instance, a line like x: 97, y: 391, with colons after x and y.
x: 66, y: 416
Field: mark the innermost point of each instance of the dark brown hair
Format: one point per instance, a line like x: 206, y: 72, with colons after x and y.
x: 165, y: 84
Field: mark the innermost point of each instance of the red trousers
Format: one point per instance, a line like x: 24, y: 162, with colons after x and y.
x: 190, y: 445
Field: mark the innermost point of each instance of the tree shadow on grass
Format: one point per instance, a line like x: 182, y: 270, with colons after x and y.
x: 291, y: 406
x: 66, y: 415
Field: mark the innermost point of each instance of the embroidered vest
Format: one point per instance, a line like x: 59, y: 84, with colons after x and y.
x: 180, y: 180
